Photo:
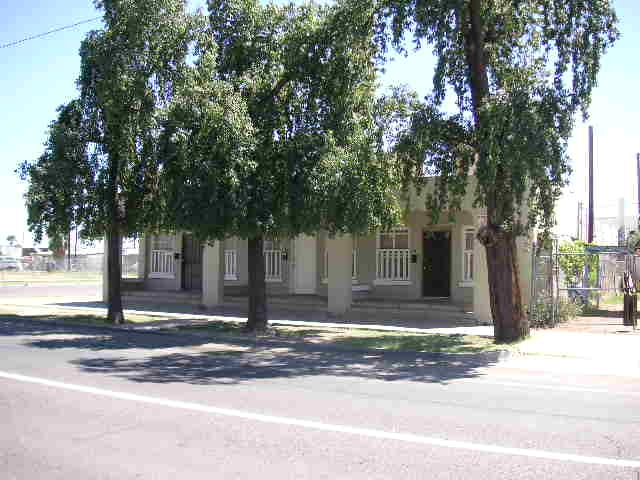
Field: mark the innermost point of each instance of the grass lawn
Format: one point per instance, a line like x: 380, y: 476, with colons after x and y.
x: 361, y: 338
x: 346, y: 337
x: 12, y: 277
x: 71, y: 316
x: 612, y: 300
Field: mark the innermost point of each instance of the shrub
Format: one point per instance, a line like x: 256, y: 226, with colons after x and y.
x: 542, y: 315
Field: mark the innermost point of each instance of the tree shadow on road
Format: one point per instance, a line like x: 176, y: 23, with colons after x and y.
x: 168, y: 358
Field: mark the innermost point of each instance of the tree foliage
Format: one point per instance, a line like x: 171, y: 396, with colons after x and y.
x: 575, y: 260
x: 128, y: 73
x: 276, y: 134
x: 99, y: 170
x: 633, y: 239
x: 61, y: 180
x: 518, y: 71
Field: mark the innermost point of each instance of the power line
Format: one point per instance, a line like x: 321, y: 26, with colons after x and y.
x: 17, y: 42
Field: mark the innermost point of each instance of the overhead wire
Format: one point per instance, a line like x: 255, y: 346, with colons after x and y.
x: 33, y: 37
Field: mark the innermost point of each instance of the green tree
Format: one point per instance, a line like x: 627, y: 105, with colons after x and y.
x: 128, y: 73
x: 11, y: 239
x: 633, y: 239
x: 519, y: 71
x: 61, y: 180
x: 57, y: 245
x: 574, y: 261
x: 297, y: 84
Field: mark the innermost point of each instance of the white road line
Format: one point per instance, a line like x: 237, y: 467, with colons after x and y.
x: 534, y: 386
x: 404, y: 437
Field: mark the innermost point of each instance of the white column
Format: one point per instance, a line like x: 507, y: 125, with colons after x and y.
x: 305, y: 264
x: 213, y: 274
x: 481, y: 298
x: 105, y: 271
x: 290, y: 265
x: 142, y: 256
x: 340, y: 250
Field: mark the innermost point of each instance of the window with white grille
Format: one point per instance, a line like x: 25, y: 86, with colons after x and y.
x: 231, y: 264
x: 162, y: 257
x: 468, y: 237
x: 272, y: 260
x: 162, y: 242
x: 393, y: 256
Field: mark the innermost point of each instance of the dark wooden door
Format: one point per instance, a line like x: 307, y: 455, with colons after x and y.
x: 191, y: 263
x: 436, y: 264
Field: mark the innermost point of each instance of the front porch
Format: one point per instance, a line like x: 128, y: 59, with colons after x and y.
x: 364, y: 308
x: 437, y: 273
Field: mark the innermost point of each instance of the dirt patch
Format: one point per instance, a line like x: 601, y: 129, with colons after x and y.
x: 605, y: 319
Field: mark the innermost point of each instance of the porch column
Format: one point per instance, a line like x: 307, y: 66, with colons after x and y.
x: 340, y: 250
x: 305, y: 264
x: 213, y: 274
x: 481, y: 297
x: 142, y: 256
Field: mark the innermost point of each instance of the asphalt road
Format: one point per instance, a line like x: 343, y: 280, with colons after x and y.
x: 52, y: 290
x: 86, y: 403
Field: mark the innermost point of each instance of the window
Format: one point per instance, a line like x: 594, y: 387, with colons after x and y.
x: 272, y: 260
x: 162, y: 242
x: 230, y: 265
x: 162, y: 262
x: 393, y: 257
x: 468, y: 238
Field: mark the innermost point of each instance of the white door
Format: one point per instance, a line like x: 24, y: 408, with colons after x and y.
x: 306, y: 264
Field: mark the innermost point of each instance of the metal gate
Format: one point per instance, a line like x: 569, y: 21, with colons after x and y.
x: 191, y: 263
x: 562, y: 280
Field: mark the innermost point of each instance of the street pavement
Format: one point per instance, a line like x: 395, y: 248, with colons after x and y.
x: 87, y: 402
x: 604, y: 348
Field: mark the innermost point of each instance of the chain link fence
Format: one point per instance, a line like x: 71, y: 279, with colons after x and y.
x: 564, y: 284
x: 543, y: 306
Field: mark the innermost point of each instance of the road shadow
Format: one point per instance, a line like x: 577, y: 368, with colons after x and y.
x: 143, y: 357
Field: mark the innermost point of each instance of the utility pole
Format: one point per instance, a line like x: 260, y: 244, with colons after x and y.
x: 590, y: 214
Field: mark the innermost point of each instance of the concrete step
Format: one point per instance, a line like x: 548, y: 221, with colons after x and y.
x: 299, y: 302
x: 162, y: 297
x: 375, y: 308
x: 406, y: 305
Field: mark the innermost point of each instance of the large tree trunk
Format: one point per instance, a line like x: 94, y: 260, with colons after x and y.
x: 257, y: 321
x: 114, y: 275
x: 509, y: 322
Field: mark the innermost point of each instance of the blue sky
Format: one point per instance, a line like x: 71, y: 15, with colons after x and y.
x: 40, y: 74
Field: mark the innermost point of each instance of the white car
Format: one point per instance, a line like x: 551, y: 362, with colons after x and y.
x: 9, y: 263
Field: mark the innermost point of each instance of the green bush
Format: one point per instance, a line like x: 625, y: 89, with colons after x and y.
x: 542, y: 315
x: 568, y: 310
x: 574, y: 263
